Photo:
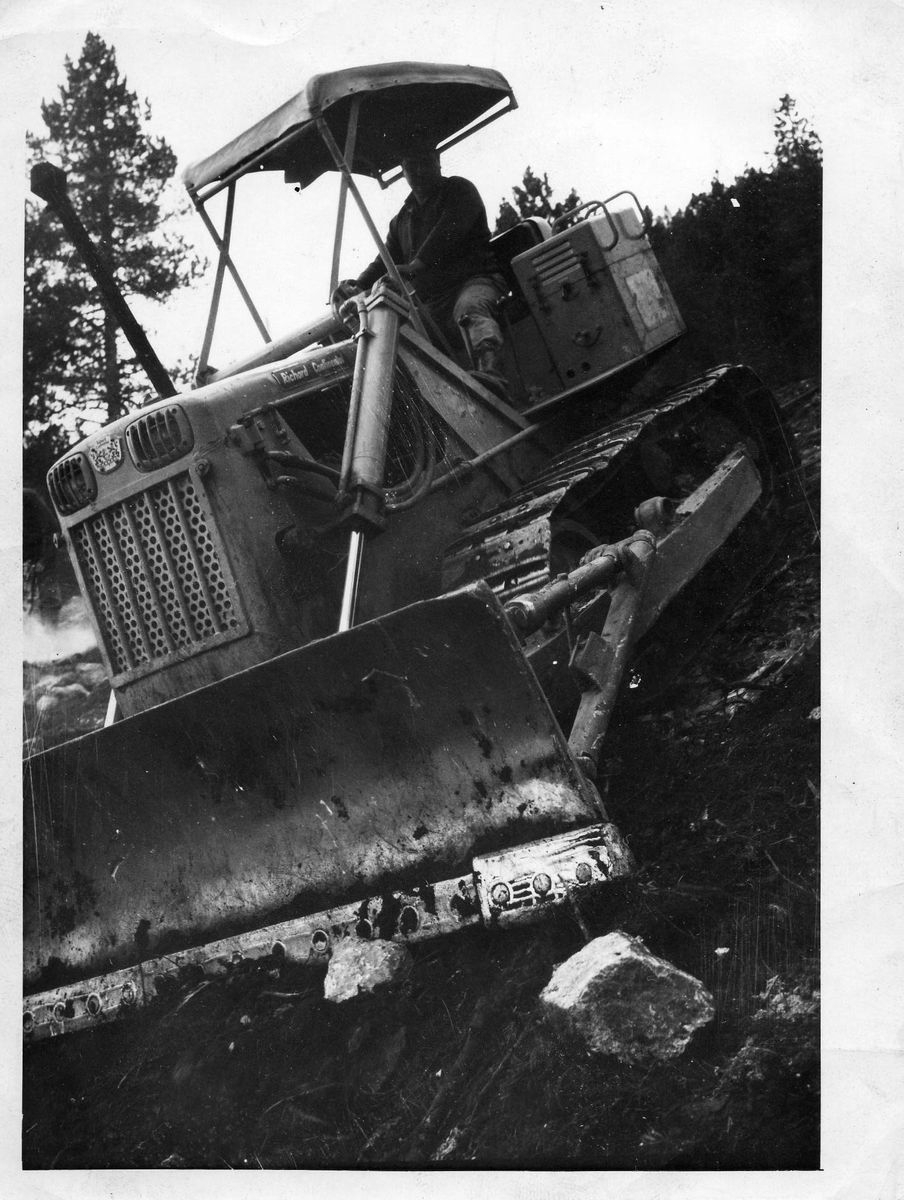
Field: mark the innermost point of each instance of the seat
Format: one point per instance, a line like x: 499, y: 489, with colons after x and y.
x: 512, y: 242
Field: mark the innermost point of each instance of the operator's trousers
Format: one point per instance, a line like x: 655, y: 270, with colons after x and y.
x: 467, y: 314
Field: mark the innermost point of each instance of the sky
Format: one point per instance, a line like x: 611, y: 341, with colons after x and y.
x: 641, y: 94
x: 650, y: 95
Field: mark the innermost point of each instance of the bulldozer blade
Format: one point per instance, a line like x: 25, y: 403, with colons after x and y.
x: 372, y: 759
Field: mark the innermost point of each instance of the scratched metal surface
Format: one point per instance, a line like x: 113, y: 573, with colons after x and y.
x: 384, y: 755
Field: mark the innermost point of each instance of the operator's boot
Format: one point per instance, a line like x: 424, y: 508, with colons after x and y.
x: 488, y: 369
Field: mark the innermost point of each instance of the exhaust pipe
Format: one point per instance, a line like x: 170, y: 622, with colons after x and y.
x: 49, y: 183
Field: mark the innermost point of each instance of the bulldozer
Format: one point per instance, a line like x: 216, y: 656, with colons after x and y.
x: 365, y: 619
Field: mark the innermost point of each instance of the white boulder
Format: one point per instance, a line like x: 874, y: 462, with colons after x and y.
x: 624, y: 1001
x: 361, y: 966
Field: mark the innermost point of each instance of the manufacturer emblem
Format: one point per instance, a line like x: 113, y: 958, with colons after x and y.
x: 106, y: 454
x: 327, y: 365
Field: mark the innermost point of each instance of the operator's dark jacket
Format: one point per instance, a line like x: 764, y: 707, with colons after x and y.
x: 448, y: 233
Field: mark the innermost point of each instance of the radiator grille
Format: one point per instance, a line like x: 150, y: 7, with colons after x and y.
x: 71, y: 484
x: 159, y: 437
x: 156, y: 581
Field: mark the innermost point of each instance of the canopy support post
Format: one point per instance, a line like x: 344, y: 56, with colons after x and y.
x: 350, y: 137
x: 341, y: 165
x: 223, y: 248
x: 217, y: 285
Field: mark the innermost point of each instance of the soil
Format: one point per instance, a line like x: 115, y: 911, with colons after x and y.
x: 717, y: 792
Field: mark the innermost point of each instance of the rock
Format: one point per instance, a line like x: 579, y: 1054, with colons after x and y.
x: 46, y: 683
x: 624, y: 1001
x: 449, y: 1146
x: 359, y: 966
x: 70, y: 691
x: 91, y: 674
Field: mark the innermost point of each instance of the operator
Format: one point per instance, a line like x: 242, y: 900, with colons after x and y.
x: 440, y: 241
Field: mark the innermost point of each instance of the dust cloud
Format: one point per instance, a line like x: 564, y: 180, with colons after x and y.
x: 48, y: 639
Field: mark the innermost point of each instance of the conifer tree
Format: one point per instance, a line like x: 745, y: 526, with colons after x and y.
x: 533, y: 199
x: 78, y: 372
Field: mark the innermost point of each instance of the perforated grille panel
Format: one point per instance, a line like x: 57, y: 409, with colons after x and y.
x: 156, y: 581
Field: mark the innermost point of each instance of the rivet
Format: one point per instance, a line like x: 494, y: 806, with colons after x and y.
x: 583, y: 872
x: 542, y: 883
x: 409, y: 919
x: 320, y: 941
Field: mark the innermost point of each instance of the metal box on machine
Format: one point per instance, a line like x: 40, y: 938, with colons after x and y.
x: 597, y: 296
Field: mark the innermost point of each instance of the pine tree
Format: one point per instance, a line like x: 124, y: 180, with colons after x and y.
x: 533, y: 199
x: 796, y: 144
x: 77, y: 372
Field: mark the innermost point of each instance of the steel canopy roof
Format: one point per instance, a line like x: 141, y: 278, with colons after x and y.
x: 398, y: 100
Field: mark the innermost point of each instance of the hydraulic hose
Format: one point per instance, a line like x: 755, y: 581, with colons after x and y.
x: 301, y: 485
x: 286, y: 459
x: 423, y: 486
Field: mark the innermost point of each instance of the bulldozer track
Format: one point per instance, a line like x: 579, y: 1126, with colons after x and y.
x: 513, y: 547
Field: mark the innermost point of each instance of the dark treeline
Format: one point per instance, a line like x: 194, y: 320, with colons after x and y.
x: 743, y: 260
